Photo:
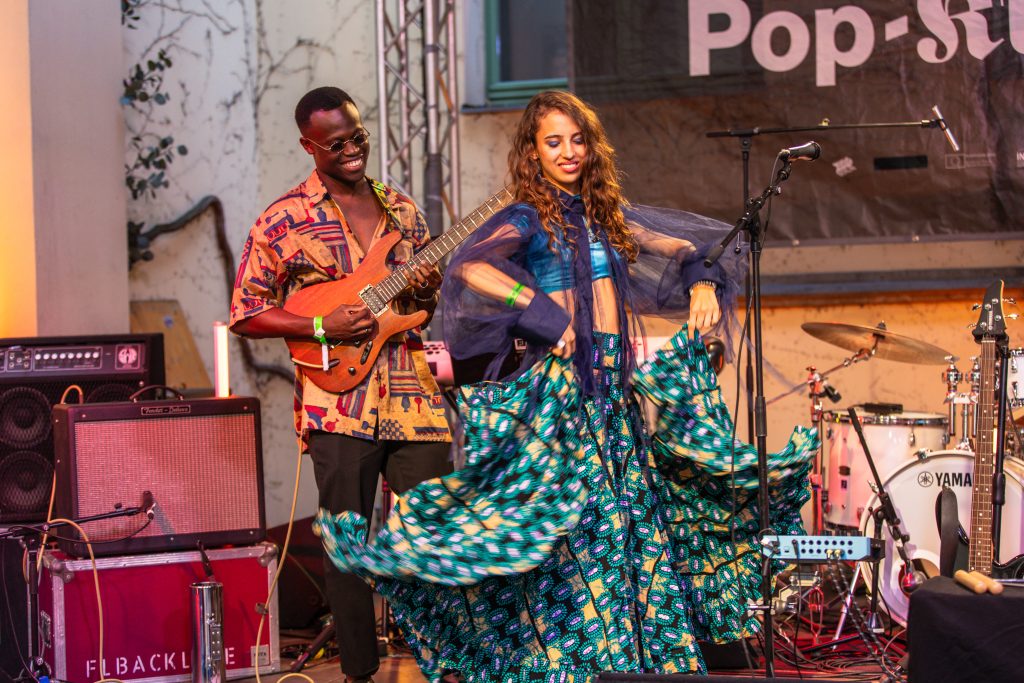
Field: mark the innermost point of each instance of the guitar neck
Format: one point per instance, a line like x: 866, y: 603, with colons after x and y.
x: 980, y: 548
x: 438, y: 248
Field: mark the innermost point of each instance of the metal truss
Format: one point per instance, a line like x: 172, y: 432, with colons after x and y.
x: 418, y: 101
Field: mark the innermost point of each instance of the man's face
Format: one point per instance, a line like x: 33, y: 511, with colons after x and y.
x: 341, y: 129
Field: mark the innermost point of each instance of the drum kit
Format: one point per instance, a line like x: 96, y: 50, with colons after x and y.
x: 912, y: 453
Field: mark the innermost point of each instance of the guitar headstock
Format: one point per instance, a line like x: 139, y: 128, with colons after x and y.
x: 991, y: 322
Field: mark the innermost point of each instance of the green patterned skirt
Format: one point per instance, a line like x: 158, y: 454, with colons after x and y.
x: 571, y: 542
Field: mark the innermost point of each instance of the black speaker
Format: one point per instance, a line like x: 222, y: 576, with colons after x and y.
x: 35, y: 373
x: 13, y: 608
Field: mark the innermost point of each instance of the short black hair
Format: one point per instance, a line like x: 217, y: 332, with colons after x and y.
x: 326, y: 98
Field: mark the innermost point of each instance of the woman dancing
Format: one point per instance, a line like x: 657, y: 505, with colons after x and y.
x: 579, y: 538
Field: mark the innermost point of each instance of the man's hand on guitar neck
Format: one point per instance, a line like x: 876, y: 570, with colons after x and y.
x: 424, y: 280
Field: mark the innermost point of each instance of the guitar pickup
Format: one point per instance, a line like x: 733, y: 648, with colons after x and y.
x: 373, y: 300
x: 366, y: 352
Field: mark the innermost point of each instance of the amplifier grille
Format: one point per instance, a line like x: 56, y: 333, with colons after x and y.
x: 202, y: 471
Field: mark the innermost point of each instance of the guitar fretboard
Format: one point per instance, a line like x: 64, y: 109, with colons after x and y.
x: 980, y: 548
x: 438, y: 248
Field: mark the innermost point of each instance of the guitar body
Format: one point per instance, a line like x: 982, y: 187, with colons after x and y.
x: 349, y: 361
x: 1014, y: 569
x: 374, y: 285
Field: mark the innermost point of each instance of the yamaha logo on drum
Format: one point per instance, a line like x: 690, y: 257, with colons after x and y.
x: 961, y: 479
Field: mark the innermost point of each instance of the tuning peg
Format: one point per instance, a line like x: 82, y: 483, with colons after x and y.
x: 971, y: 326
x: 1010, y: 300
x: 975, y: 307
x: 1012, y: 316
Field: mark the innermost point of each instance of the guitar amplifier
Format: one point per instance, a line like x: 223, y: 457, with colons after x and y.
x: 201, y: 459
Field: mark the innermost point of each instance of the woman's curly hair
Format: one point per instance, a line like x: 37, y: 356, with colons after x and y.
x: 599, y: 180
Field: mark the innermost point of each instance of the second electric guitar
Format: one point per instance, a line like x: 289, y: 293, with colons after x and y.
x: 990, y: 331
x: 375, y: 285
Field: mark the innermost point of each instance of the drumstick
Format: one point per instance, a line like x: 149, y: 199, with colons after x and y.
x: 970, y: 581
x: 991, y: 585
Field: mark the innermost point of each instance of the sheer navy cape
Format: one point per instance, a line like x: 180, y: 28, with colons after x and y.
x: 655, y: 284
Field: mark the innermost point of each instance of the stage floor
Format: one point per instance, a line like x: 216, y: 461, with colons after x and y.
x: 401, y: 668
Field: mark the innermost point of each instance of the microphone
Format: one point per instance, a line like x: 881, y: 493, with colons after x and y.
x: 809, y: 151
x: 945, y: 129
x: 148, y: 504
x: 716, y: 353
x: 911, y: 579
x: 831, y: 392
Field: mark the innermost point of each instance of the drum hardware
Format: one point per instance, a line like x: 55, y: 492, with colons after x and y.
x: 967, y: 401
x: 1015, y: 381
x: 818, y: 387
x: 885, y: 511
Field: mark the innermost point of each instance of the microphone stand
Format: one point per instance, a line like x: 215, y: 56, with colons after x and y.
x: 750, y: 222
x: 746, y: 135
x: 31, y: 537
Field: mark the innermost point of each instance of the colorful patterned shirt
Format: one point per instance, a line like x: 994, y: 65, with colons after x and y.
x: 303, y: 239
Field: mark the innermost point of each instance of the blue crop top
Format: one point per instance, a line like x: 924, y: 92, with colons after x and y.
x: 547, y: 266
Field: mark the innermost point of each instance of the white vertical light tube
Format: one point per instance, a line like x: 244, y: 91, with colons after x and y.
x: 222, y: 379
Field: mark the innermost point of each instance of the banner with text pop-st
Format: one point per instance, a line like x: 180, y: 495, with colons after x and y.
x: 663, y: 74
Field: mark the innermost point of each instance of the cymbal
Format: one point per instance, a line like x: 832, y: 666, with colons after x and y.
x: 891, y: 346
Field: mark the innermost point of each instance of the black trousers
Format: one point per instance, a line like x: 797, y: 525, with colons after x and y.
x: 346, y: 471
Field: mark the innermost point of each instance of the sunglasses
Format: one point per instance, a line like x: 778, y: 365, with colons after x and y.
x: 359, y: 139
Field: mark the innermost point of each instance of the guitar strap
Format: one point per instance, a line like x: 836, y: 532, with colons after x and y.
x: 947, y: 519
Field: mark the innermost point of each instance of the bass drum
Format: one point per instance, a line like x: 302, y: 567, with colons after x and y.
x: 913, y: 489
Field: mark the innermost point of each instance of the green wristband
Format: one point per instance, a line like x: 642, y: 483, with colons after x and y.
x: 318, y: 329
x: 511, y: 300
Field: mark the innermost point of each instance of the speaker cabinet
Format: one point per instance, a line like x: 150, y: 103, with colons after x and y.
x: 35, y: 373
x: 201, y: 459
x: 13, y: 609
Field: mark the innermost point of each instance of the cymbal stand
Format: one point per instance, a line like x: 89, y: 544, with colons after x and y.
x: 874, y: 622
x: 862, y: 355
x: 966, y: 400
x: 818, y: 387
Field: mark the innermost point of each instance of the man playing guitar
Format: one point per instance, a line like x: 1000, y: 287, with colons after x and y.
x: 392, y: 422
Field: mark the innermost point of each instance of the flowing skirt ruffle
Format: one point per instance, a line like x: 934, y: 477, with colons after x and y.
x: 571, y: 543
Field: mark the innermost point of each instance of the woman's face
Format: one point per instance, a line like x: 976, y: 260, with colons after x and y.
x: 561, y: 150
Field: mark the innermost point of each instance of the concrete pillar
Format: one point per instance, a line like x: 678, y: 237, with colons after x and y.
x: 62, y: 193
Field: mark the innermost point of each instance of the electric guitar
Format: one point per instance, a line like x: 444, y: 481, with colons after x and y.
x: 989, y: 333
x: 346, y: 363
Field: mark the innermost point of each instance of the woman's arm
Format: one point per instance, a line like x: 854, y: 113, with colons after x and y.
x: 486, y: 280
x: 705, y: 310
x: 662, y: 245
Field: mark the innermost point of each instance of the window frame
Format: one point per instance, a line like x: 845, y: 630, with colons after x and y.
x: 501, y: 92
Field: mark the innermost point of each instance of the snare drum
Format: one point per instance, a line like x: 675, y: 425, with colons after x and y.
x: 913, y: 489
x: 893, y: 440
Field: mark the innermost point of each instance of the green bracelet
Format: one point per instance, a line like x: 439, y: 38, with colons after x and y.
x: 318, y: 329
x: 511, y: 300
